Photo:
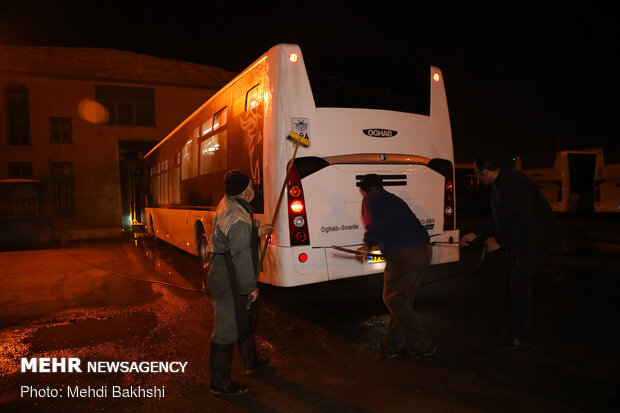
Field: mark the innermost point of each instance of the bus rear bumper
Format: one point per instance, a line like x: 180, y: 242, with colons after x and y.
x: 307, y: 265
x: 296, y: 266
x: 446, y: 248
x: 607, y: 207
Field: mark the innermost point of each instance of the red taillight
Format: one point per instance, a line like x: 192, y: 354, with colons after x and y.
x: 448, y: 204
x: 298, y: 223
x: 293, y: 57
x: 297, y: 206
x: 446, y: 169
x: 303, y: 257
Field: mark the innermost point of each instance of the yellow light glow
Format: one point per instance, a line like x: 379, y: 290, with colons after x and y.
x: 93, y: 112
x: 297, y: 206
x: 295, y: 191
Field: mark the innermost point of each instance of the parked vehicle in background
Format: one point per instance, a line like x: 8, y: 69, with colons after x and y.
x: 566, y: 178
x: 607, y: 184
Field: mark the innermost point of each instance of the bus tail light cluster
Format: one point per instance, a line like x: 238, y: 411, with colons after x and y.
x: 558, y: 195
x: 597, y: 190
x: 448, y: 204
x: 297, y: 218
x: 446, y: 168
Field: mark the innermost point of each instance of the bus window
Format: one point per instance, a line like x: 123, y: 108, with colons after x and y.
x: 354, y: 82
x: 213, y: 154
x: 252, y: 98
x: 219, y: 119
x: 155, y: 190
x: 164, y: 188
x: 207, y: 127
x: 189, y: 165
x: 175, y: 190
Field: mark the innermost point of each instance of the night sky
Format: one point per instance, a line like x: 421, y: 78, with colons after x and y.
x: 518, y: 79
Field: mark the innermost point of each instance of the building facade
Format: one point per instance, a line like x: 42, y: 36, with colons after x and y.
x: 77, y: 122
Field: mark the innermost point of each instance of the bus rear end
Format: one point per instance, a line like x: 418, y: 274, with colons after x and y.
x: 404, y: 137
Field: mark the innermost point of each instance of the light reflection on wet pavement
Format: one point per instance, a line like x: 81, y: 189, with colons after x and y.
x: 143, y: 300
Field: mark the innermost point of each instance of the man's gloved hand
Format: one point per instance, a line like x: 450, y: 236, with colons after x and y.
x: 362, y: 252
x: 265, y: 230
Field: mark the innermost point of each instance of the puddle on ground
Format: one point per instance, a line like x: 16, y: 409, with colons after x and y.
x: 89, y: 332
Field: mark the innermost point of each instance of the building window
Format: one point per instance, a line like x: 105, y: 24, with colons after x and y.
x: 131, y: 106
x: 17, y: 114
x: 61, y: 184
x: 20, y: 170
x: 61, y: 130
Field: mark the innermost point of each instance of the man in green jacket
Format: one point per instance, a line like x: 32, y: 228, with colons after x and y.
x: 232, y: 283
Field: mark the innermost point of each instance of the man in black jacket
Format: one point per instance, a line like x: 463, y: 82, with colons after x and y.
x: 520, y: 222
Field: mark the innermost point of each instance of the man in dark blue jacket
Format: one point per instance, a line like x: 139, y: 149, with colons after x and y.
x: 394, y: 228
x: 520, y: 223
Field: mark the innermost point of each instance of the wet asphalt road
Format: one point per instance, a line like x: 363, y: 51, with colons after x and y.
x: 141, y: 301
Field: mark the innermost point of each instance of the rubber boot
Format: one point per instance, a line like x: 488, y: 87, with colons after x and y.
x: 221, y: 360
x: 251, y: 362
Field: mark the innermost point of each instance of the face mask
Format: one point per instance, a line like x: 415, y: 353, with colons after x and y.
x: 248, y: 195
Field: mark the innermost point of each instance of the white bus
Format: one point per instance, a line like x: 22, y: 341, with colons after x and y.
x: 359, y: 119
x: 607, y: 184
x: 566, y: 178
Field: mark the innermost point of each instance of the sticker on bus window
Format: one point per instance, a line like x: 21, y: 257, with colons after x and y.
x: 301, y: 126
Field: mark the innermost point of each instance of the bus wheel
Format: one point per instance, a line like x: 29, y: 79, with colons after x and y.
x: 203, y: 251
x: 203, y: 254
x: 151, y: 231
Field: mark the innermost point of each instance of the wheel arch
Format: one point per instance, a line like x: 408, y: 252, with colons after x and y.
x: 200, y: 227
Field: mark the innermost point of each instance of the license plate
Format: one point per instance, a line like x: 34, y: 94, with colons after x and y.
x: 372, y: 259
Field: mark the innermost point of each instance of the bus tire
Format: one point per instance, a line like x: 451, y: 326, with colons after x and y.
x: 151, y: 228
x: 203, y: 252
x: 151, y: 231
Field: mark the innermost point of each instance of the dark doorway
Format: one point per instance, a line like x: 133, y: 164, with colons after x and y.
x: 134, y: 180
